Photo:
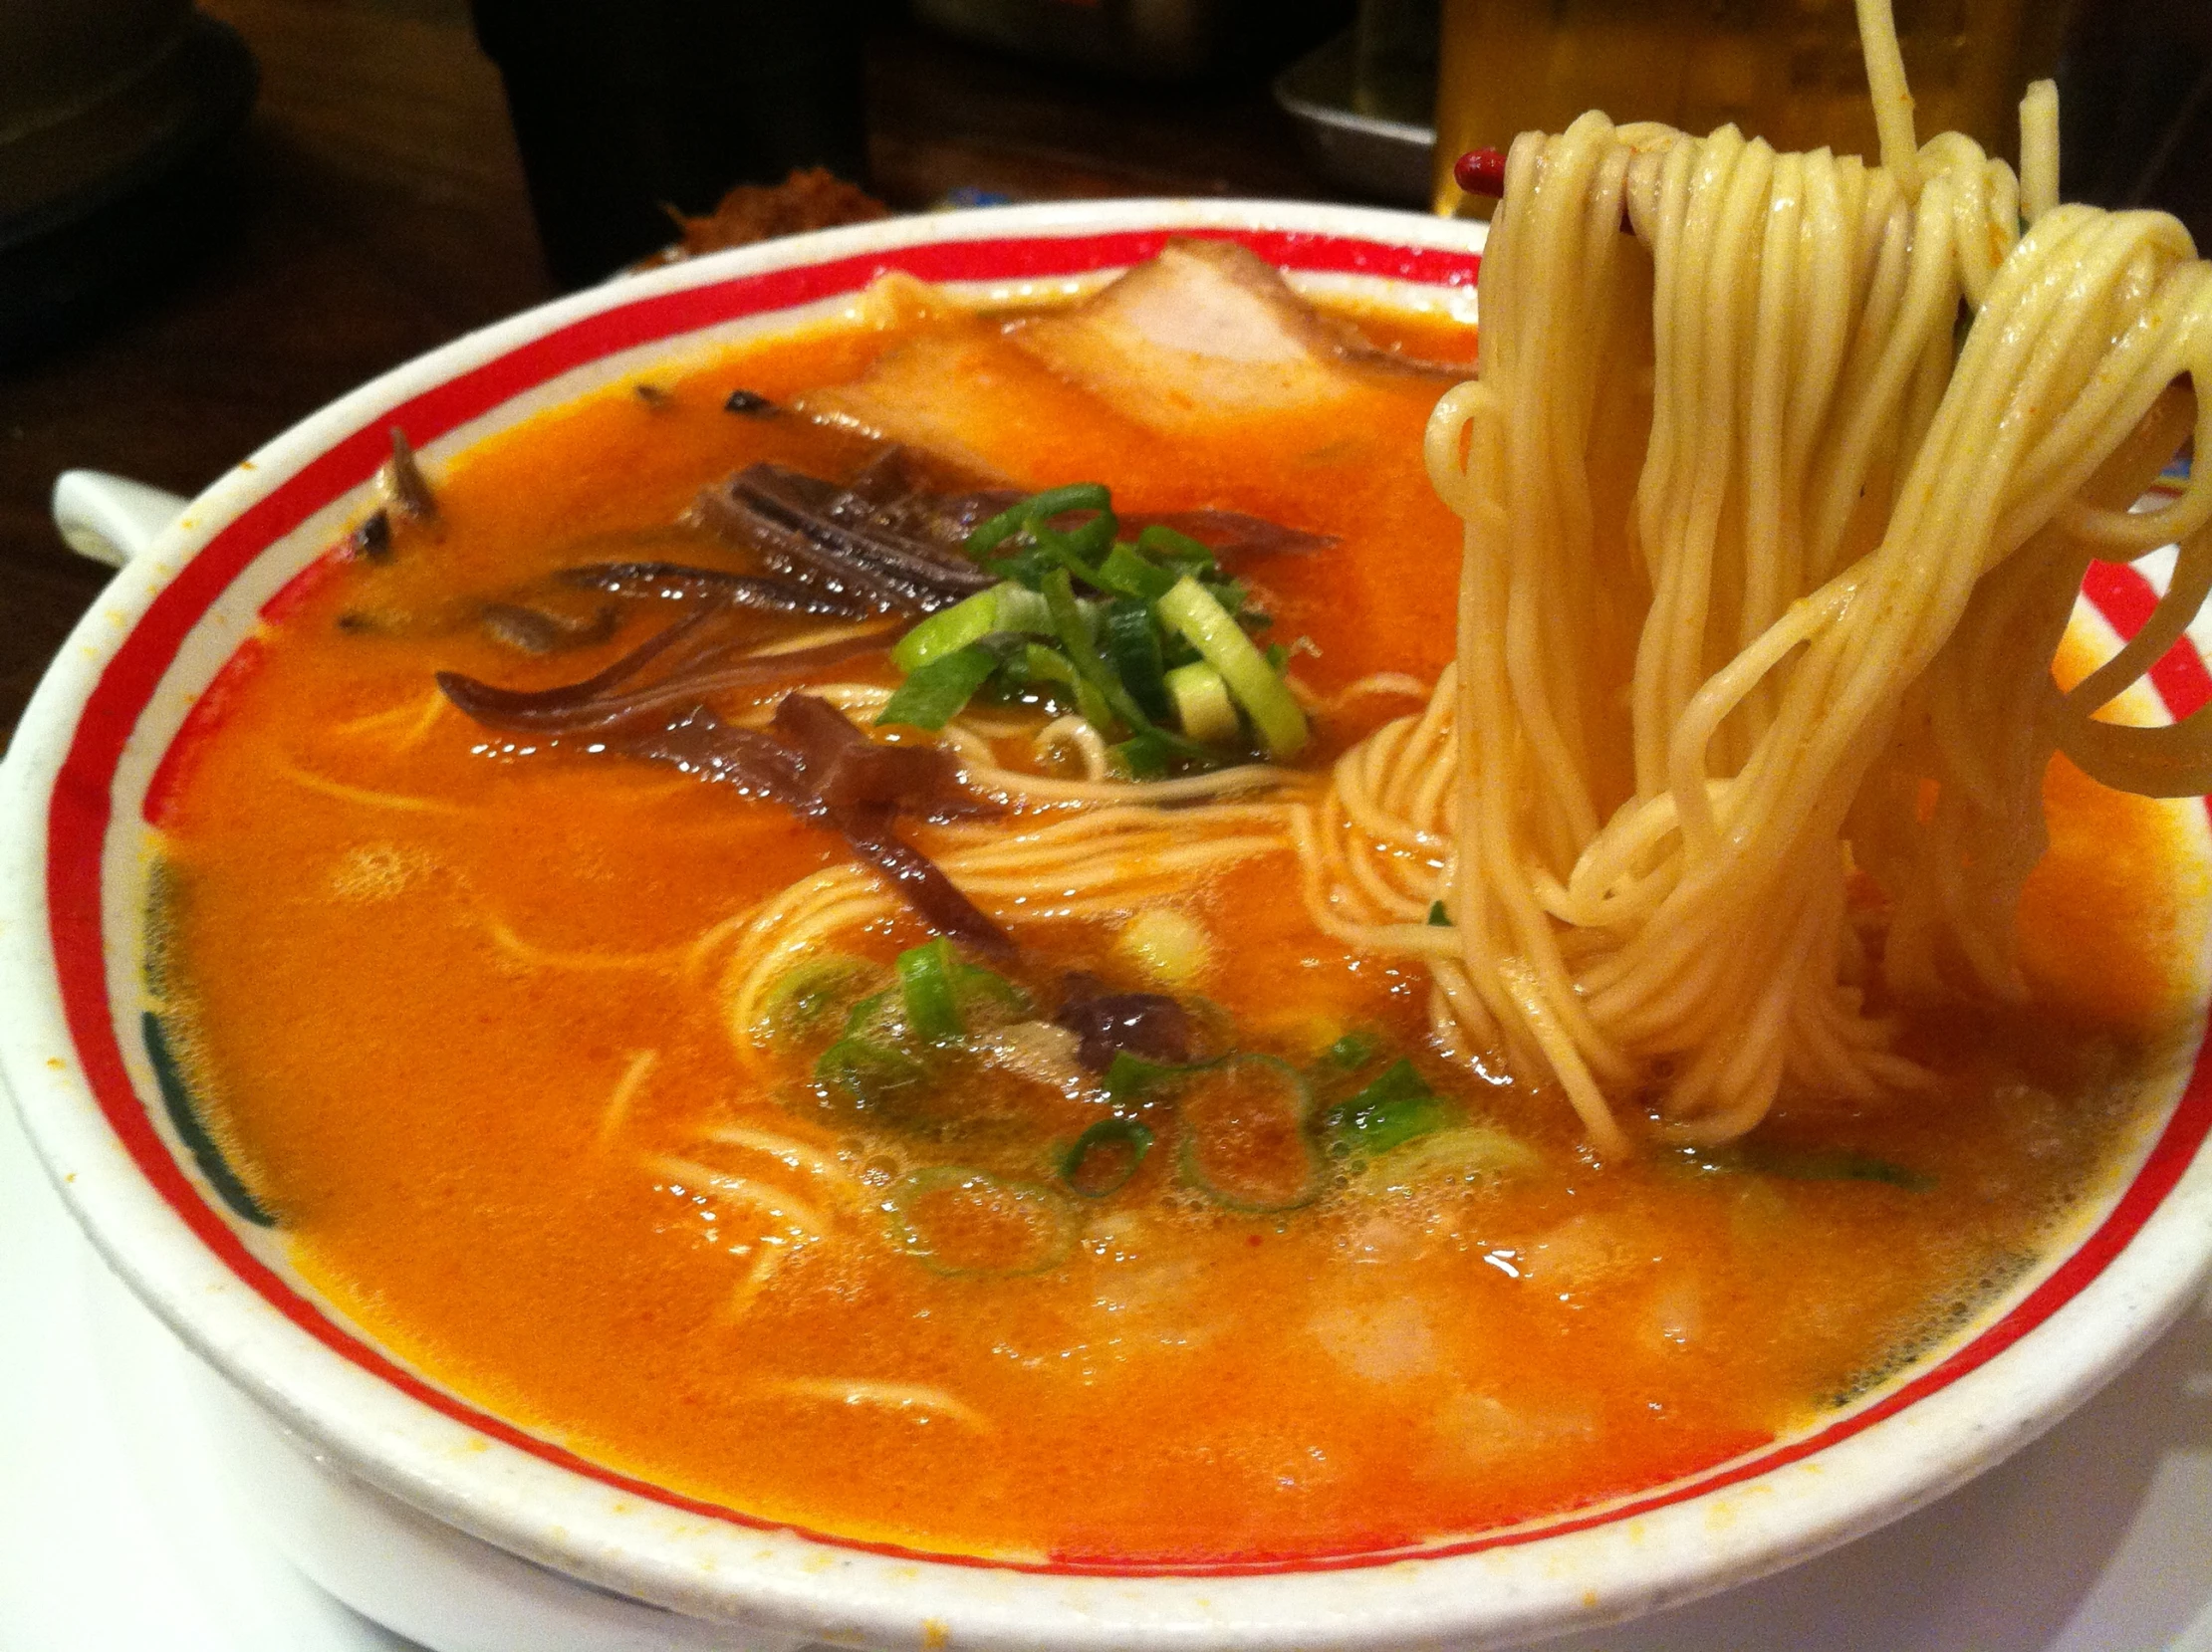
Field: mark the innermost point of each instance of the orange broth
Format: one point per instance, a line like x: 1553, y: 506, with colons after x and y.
x: 440, y: 995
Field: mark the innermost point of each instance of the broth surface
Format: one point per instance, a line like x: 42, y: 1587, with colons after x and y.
x: 456, y: 1005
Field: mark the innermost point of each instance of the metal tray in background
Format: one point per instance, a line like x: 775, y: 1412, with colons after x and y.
x: 1387, y: 160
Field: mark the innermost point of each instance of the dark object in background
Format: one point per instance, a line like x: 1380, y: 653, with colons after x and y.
x: 2135, y: 109
x: 112, y: 115
x: 1144, y: 39
x: 624, y: 109
x: 1345, y: 133
x: 809, y: 199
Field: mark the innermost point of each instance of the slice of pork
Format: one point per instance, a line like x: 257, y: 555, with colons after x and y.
x: 1206, y: 329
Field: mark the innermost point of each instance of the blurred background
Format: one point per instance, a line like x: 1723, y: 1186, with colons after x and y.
x: 213, y: 219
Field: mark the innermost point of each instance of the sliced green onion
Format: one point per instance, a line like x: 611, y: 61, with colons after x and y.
x: 1818, y: 1164
x: 1189, y: 555
x: 1143, y: 756
x: 1395, y: 1109
x: 1129, y: 1077
x: 1082, y: 654
x: 1170, y: 946
x: 1127, y: 571
x: 1202, y: 704
x: 867, y: 1069
x: 1048, y: 664
x: 966, y: 622
x: 1081, y: 546
x: 939, y: 987
x: 1222, y: 643
x: 1245, y: 1142
x: 1130, y: 640
x: 968, y: 1224
x: 936, y: 693
x: 1095, y: 707
x: 184, y: 1112
x: 1353, y: 1051
x: 1105, y: 1157
x: 1230, y: 593
x: 1463, y: 1153
x: 1023, y: 611
x: 978, y: 988
x: 1438, y: 916
x: 810, y: 992
x: 988, y: 534
x: 1071, y: 496
x: 925, y: 980
x: 1028, y: 513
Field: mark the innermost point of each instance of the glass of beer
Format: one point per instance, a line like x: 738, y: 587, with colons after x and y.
x: 1787, y: 71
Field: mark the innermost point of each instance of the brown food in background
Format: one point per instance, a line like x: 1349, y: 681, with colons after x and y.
x: 811, y: 198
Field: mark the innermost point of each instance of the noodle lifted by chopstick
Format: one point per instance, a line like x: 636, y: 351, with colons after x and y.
x: 1762, y: 584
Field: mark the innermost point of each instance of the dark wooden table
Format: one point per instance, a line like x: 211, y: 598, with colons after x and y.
x: 373, y: 208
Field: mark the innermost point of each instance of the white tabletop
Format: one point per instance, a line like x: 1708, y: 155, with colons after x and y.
x: 118, y: 1531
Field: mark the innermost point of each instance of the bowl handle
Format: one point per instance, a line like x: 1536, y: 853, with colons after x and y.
x: 111, y: 518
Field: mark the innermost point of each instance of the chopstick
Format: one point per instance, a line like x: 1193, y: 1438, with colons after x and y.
x: 1481, y: 172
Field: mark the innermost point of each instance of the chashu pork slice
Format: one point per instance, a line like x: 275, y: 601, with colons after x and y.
x: 967, y: 395
x: 1206, y: 329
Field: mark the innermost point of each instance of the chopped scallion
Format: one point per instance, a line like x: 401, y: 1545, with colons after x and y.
x: 925, y: 980
x: 1245, y: 1142
x: 1201, y: 702
x: 867, y: 1069
x: 966, y: 1223
x: 968, y: 620
x: 1395, y: 1109
x: 933, y: 694
x: 811, y: 991
x: 1266, y: 698
x: 1129, y: 641
x: 1105, y: 1156
x: 1129, y: 573
x: 1143, y: 756
x: 1083, y: 653
x: 1179, y: 550
x: 1353, y: 1051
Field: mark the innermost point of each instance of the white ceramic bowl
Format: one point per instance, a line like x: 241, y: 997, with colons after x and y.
x: 434, y: 1517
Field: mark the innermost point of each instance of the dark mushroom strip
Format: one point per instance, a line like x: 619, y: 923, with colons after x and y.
x: 886, y: 495
x: 722, y: 669
x: 920, y: 881
x: 567, y: 710
x: 806, y: 506
x: 548, y: 708
x: 879, y: 516
x: 372, y: 538
x: 1151, y: 1025
x: 848, y: 769
x: 791, y: 551
x: 534, y: 632
x: 403, y: 483
x: 680, y: 581
x: 701, y: 744
x: 819, y: 760
x: 951, y: 516
x: 886, y: 479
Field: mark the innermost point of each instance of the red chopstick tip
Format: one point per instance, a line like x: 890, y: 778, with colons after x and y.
x: 1481, y: 172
